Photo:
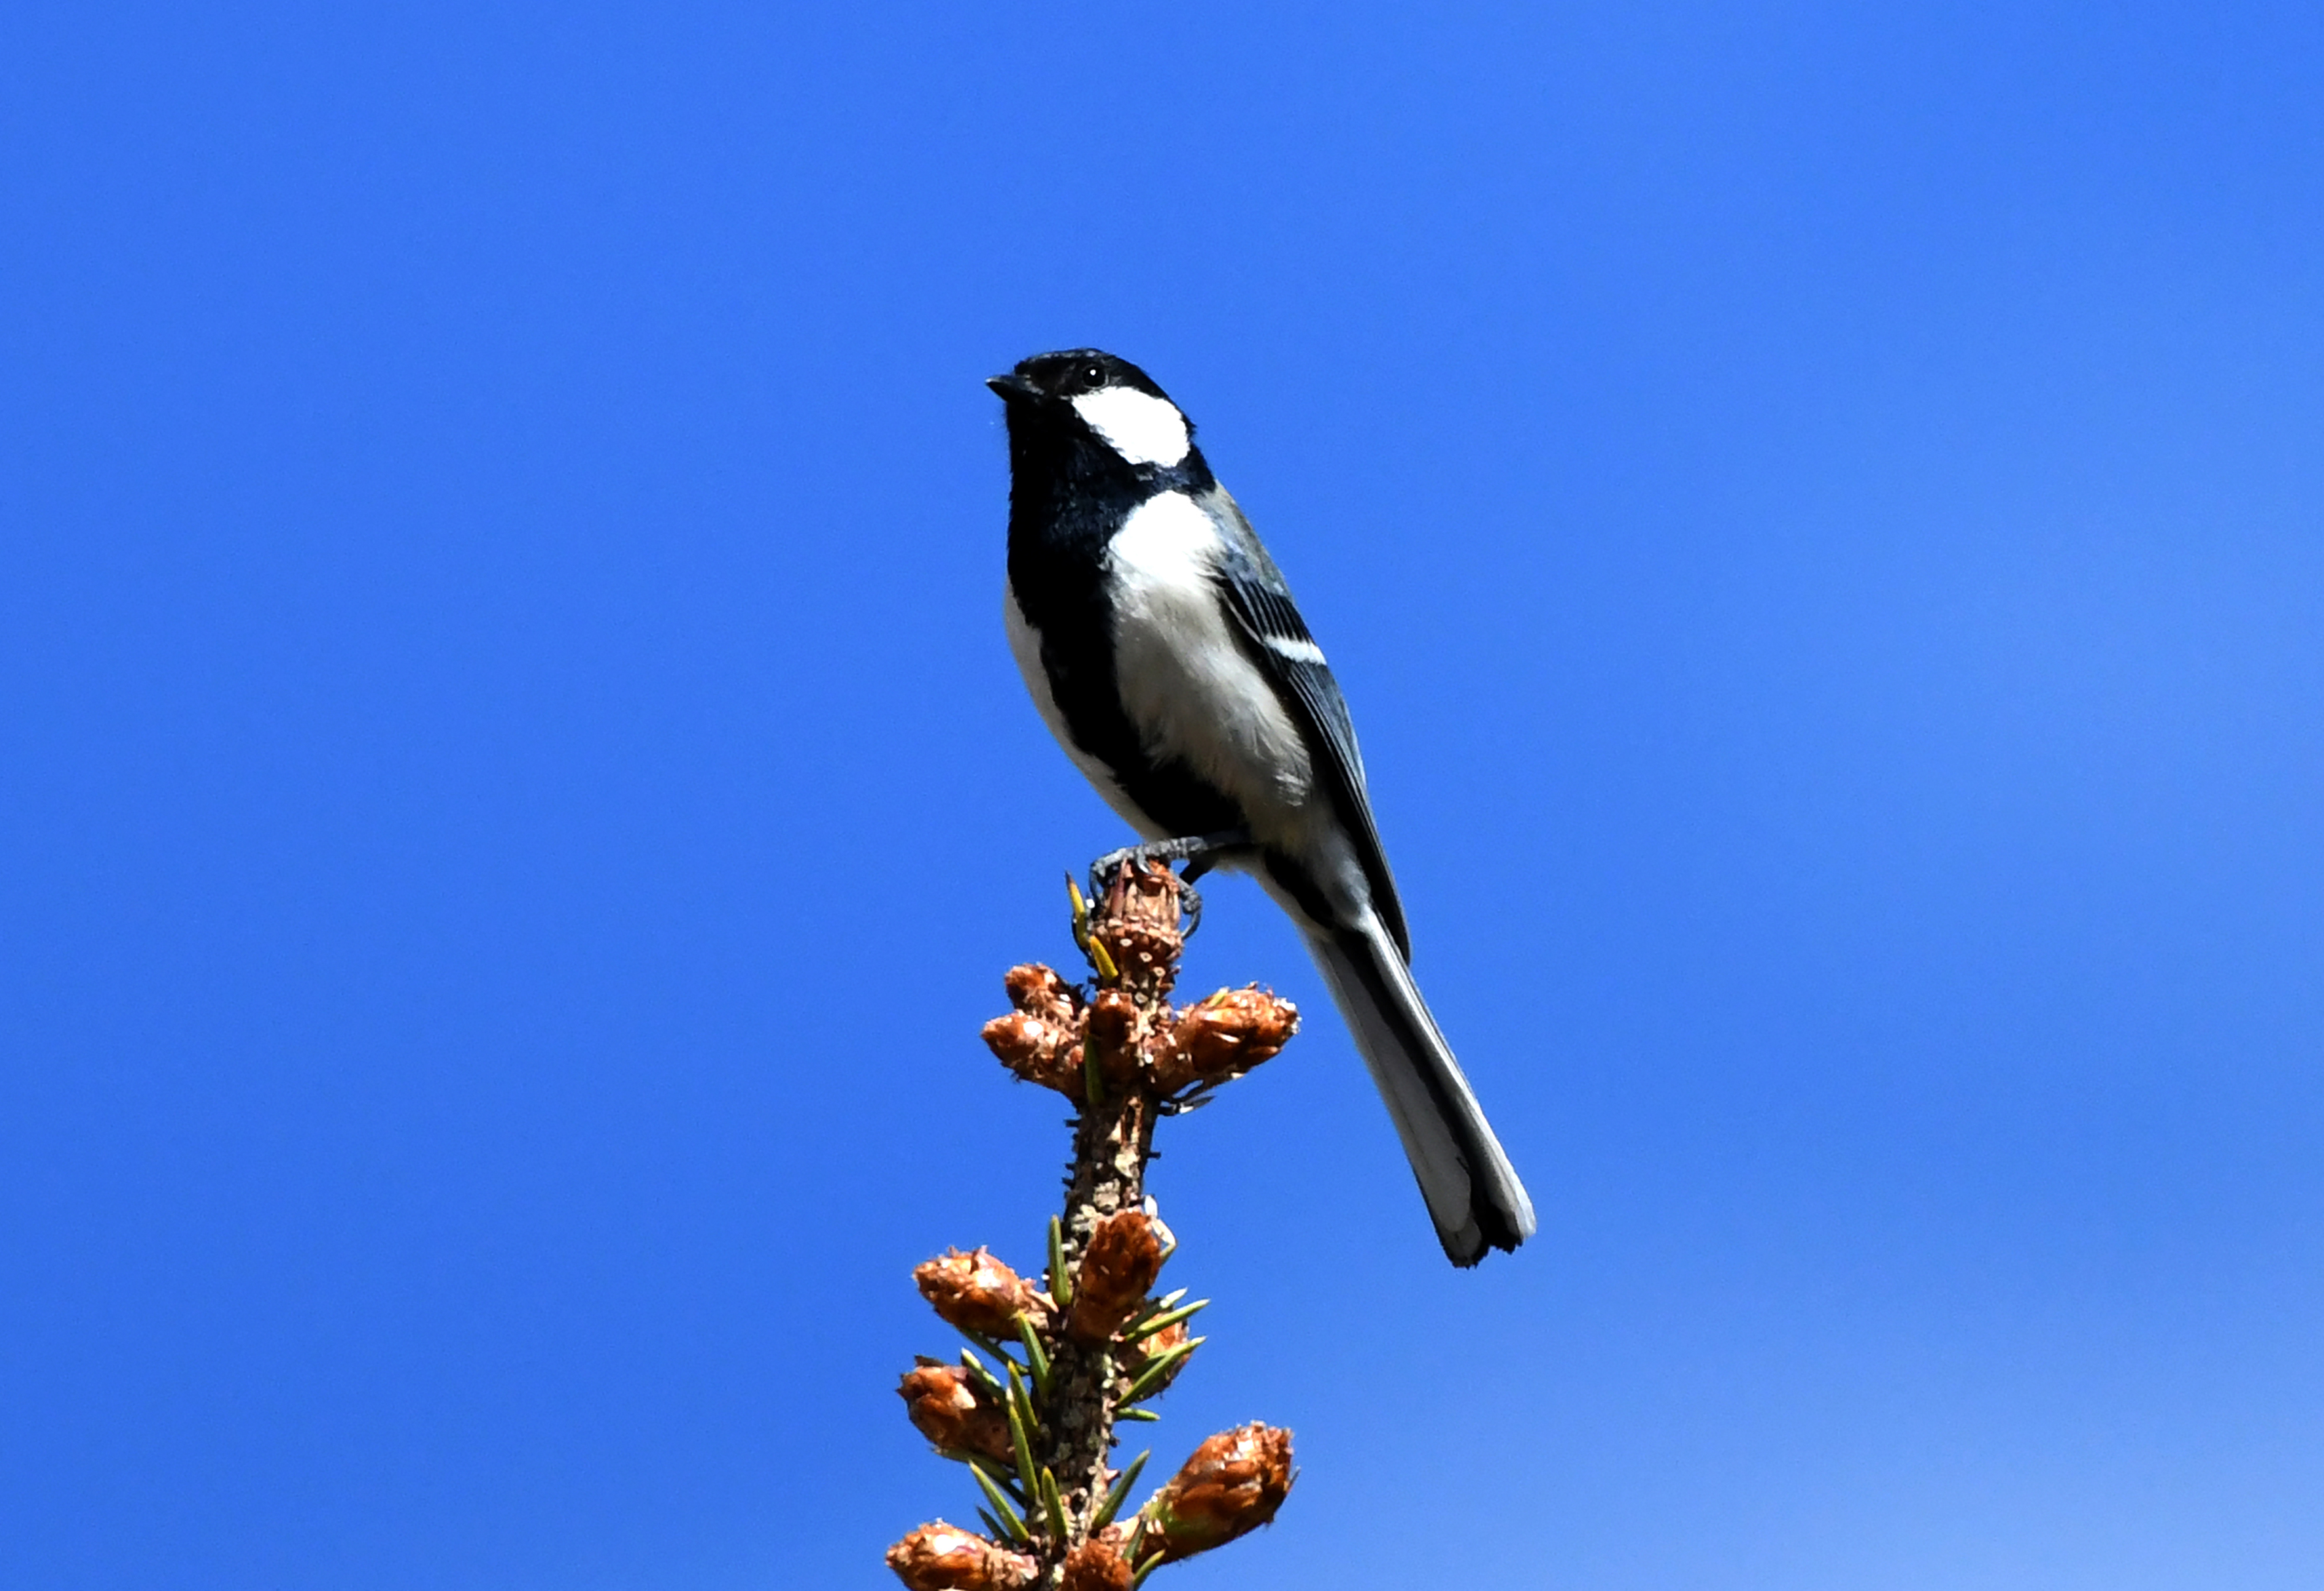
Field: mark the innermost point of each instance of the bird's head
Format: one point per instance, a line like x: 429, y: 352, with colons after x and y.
x: 1083, y: 392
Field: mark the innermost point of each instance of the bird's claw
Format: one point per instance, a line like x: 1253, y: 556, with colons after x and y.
x: 1199, y: 853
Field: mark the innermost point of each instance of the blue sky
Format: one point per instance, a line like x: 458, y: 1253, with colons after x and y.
x: 514, y: 801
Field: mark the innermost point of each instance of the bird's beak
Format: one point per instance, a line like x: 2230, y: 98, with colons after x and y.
x: 1013, y: 388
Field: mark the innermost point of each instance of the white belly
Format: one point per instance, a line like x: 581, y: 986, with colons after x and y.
x: 1183, y: 674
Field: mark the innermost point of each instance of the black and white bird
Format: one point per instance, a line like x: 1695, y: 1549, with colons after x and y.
x: 1164, y: 649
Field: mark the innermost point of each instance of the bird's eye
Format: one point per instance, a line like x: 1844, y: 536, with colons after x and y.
x: 1095, y: 374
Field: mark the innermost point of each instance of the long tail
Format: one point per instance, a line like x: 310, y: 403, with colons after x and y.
x: 1473, y: 1193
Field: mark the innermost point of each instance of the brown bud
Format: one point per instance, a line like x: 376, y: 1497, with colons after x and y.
x: 1124, y: 1255
x: 1114, y: 1027
x: 977, y: 1292
x: 1038, y: 1050
x: 1097, y: 1564
x: 944, y: 1408
x: 1112, y: 1018
x: 1145, y: 1352
x: 1233, y: 1484
x: 1038, y: 991
x: 943, y: 1557
x: 1223, y: 1037
x: 1137, y: 923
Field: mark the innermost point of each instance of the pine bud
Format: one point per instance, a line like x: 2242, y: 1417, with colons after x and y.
x: 1038, y: 991
x: 942, y: 1401
x: 1123, y: 1256
x: 1234, y: 1484
x: 1112, y: 1018
x: 943, y: 1557
x: 1113, y: 1029
x: 1137, y: 923
x: 1223, y: 1038
x: 1038, y: 1050
x: 977, y: 1292
x: 1097, y: 1564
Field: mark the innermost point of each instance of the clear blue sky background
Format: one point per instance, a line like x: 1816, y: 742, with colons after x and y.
x: 514, y: 801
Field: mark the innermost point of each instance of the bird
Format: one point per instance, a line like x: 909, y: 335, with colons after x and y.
x: 1164, y: 650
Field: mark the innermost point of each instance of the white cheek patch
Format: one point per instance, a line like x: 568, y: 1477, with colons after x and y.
x: 1142, y: 427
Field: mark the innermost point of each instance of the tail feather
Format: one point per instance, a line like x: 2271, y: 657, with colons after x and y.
x: 1472, y: 1192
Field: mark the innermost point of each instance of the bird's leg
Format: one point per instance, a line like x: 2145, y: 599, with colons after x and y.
x: 1199, y: 853
x: 1189, y: 901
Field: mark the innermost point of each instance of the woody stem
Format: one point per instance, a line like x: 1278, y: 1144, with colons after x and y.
x: 1137, y: 920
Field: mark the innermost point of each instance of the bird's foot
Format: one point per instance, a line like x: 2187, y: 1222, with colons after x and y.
x: 1199, y: 853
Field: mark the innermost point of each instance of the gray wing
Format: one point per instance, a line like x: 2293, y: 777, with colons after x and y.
x: 1280, y: 643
